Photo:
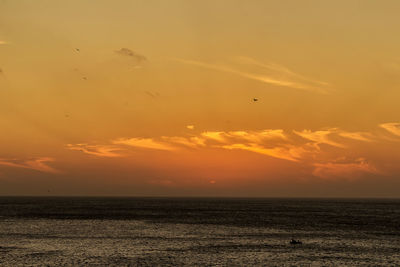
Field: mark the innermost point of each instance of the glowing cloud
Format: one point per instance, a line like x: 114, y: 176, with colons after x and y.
x: 360, y: 136
x: 192, y: 142
x: 258, y: 136
x: 216, y: 136
x: 279, y: 69
x: 319, y: 137
x: 38, y: 164
x: 276, y: 75
x: 143, y: 143
x: 391, y: 127
x: 276, y: 152
x: 273, y: 143
x: 344, y: 169
x: 96, y: 150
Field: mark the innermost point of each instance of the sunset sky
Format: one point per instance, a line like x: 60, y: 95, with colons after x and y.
x: 157, y: 98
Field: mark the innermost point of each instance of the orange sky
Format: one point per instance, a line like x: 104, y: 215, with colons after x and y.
x: 156, y: 98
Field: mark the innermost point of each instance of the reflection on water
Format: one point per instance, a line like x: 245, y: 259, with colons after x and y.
x: 176, y: 232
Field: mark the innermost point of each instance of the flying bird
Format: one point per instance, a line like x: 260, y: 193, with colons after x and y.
x: 77, y: 49
x: 255, y: 99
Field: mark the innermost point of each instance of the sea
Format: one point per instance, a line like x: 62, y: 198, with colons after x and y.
x: 94, y: 231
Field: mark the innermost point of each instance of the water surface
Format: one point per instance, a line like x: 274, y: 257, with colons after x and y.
x: 198, y: 232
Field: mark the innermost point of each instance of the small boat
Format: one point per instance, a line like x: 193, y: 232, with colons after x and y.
x: 295, y: 242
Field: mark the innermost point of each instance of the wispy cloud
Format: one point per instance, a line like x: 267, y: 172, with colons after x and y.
x: 152, y: 94
x: 38, y: 164
x: 360, y: 136
x: 344, y: 169
x: 271, y: 74
x: 148, y: 143
x: 279, y: 70
x: 96, y: 150
x: 214, y: 135
x: 3, y: 42
x: 303, y: 147
x: 275, y: 152
x: 138, y: 58
x: 391, y: 127
x: 258, y: 136
x: 192, y: 142
x: 246, y: 136
x: 320, y: 137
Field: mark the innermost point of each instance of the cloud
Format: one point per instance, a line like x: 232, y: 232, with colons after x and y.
x: 213, y: 135
x: 270, y: 74
x: 258, y: 136
x: 3, y: 42
x: 148, y: 143
x: 391, y: 127
x: 38, y: 164
x: 245, y: 136
x: 320, y: 137
x: 192, y: 142
x: 279, y: 69
x: 360, y: 136
x: 152, y: 94
x: 133, y: 55
x: 96, y: 150
x: 344, y: 169
x: 275, y: 143
x: 190, y: 127
x: 275, y: 152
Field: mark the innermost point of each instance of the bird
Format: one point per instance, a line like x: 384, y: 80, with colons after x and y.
x: 77, y: 49
x: 84, y: 78
x: 255, y: 99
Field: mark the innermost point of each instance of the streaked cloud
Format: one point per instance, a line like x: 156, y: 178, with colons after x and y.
x: 297, y: 146
x: 96, y: 150
x: 192, y: 142
x: 270, y: 74
x: 214, y: 135
x: 37, y: 164
x: 190, y: 127
x: 247, y: 136
x: 148, y: 143
x: 391, y: 127
x: 138, y: 58
x: 275, y: 152
x: 258, y: 136
x: 154, y: 94
x: 320, y: 137
x: 3, y: 42
x: 360, y: 136
x: 279, y: 69
x: 344, y: 169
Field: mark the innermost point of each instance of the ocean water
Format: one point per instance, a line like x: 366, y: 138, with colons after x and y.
x: 198, y: 232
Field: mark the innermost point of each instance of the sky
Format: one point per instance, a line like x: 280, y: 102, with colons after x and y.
x: 200, y: 98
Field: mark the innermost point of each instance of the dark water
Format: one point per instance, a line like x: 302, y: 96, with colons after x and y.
x: 198, y: 232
